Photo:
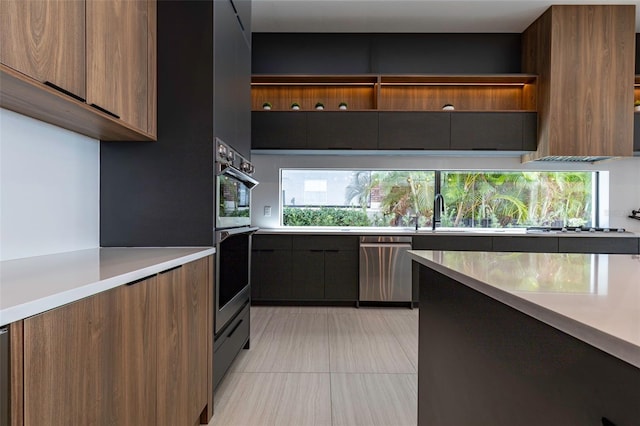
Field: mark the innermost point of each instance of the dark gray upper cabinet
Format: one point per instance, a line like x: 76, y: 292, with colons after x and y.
x: 243, y: 10
x: 501, y: 131
x: 278, y: 130
x: 322, y: 53
x: 414, y: 130
x: 349, y: 53
x: 232, y: 79
x: 342, y: 130
x: 446, y: 53
x: 636, y: 132
x: 529, y: 131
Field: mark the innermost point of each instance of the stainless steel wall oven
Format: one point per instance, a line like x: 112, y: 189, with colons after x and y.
x: 233, y: 233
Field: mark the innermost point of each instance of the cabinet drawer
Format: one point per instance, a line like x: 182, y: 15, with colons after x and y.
x: 610, y: 245
x: 462, y: 243
x: 271, y: 242
x: 325, y: 242
x: 526, y: 244
x: 229, y: 344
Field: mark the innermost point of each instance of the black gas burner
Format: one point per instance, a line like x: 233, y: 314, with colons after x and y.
x: 573, y: 229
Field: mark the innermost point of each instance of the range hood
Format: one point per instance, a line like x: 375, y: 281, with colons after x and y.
x: 584, y: 56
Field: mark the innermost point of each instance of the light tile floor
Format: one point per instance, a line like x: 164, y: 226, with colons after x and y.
x: 324, y: 366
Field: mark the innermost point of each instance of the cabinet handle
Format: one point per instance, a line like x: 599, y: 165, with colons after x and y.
x: 66, y: 92
x: 138, y: 281
x: 315, y: 250
x: 106, y: 111
x: 233, y: 330
x: 170, y: 269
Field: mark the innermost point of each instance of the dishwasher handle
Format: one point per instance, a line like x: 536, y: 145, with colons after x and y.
x: 383, y: 245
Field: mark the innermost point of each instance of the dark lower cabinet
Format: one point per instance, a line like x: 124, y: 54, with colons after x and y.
x: 304, y: 268
x: 308, y: 275
x: 414, y: 130
x: 278, y: 130
x: 610, y: 245
x: 526, y: 244
x: 271, y: 274
x: 342, y: 130
x: 484, y: 363
x: 499, y: 131
x: 341, y: 275
x: 463, y: 243
x: 271, y: 265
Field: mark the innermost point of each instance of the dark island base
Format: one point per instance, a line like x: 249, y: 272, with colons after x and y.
x: 484, y: 363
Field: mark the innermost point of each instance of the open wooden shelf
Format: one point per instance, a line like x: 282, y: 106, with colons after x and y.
x: 500, y: 92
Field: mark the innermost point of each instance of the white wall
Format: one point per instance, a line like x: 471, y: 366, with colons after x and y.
x: 624, y: 176
x: 49, y: 188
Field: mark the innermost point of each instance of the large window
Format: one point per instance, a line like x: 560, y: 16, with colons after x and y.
x: 393, y: 198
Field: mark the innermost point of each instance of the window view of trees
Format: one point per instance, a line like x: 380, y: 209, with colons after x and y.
x: 496, y: 199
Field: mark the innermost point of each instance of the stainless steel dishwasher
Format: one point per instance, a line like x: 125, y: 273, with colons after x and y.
x: 385, y: 269
x: 4, y: 376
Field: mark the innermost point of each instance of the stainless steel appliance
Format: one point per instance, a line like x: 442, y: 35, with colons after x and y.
x: 233, y: 266
x: 572, y: 230
x: 233, y: 233
x: 385, y: 269
x: 4, y: 376
x: 233, y: 188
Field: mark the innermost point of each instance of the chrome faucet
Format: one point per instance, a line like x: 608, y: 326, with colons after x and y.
x: 438, y: 207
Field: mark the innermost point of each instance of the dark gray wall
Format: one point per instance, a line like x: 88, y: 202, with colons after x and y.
x: 161, y: 193
x: 345, y: 53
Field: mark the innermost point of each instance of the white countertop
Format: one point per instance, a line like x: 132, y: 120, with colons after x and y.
x: 33, y: 285
x: 593, y: 297
x: 445, y: 232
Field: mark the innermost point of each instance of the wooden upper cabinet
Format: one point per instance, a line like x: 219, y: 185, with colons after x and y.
x: 45, y: 40
x: 117, y: 56
x: 84, y: 65
x: 584, y: 58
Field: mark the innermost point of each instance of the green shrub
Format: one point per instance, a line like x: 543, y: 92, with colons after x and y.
x: 324, y: 216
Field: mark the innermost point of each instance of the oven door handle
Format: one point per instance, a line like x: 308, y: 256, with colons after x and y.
x: 226, y: 233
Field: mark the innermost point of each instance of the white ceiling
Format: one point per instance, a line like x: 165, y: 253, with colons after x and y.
x: 413, y: 16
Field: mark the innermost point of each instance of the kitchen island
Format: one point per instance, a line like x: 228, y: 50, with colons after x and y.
x: 528, y: 338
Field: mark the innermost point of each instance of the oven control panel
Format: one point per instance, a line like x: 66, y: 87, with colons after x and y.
x: 230, y: 158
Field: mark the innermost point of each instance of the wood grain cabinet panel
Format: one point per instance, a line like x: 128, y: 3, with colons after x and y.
x: 182, y: 340
x: 93, y: 362
x: 45, y: 40
x: 117, y: 54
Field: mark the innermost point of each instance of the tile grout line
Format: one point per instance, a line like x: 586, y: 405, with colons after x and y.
x: 330, y: 368
x: 415, y: 367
